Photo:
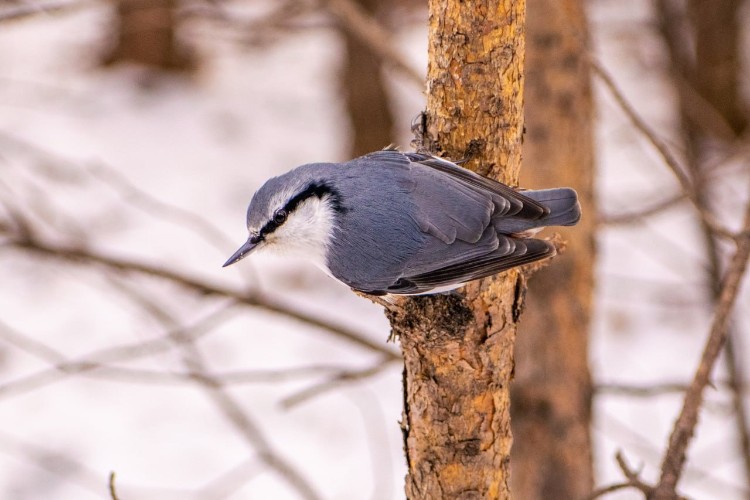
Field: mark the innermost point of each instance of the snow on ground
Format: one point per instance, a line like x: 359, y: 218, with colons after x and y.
x: 205, y: 146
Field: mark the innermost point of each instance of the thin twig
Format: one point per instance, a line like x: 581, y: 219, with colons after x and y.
x: 52, y: 461
x: 684, y: 427
x: 334, y: 382
x: 123, y: 187
x: 229, y: 378
x: 253, y: 299
x: 93, y: 366
x: 101, y: 357
x: 669, y: 159
x: 286, y: 17
x: 144, y: 201
x: 606, y: 490
x: 702, y: 122
x: 112, y: 489
x: 227, y: 484
x: 247, y: 427
x: 638, y: 216
x: 640, y: 391
x: 31, y: 9
x: 633, y: 480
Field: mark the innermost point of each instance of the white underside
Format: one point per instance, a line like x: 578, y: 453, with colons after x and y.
x: 439, y: 289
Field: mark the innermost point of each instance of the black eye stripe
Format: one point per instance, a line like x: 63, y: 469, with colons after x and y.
x: 318, y: 189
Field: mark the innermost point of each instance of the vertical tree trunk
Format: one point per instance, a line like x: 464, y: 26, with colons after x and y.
x: 367, y: 99
x: 717, y: 73
x: 458, y: 351
x: 145, y: 33
x: 551, y: 410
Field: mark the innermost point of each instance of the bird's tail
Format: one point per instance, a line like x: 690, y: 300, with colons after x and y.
x: 564, y: 210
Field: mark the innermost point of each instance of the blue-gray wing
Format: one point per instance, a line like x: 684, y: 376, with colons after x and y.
x: 508, y: 200
x: 441, y: 205
x: 522, y: 251
x: 457, y: 212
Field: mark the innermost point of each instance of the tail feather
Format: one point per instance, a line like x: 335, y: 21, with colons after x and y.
x: 562, y: 203
x: 564, y: 210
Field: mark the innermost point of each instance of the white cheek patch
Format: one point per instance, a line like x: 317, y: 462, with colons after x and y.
x: 306, y: 233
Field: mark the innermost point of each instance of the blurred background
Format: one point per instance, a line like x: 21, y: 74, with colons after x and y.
x: 133, y: 134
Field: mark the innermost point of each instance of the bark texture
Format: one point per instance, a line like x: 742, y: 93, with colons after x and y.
x: 458, y: 350
x: 146, y: 34
x: 551, y: 394
x: 364, y: 88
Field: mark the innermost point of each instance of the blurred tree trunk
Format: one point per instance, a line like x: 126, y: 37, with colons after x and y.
x: 145, y: 33
x: 704, y: 45
x: 367, y: 100
x: 551, y: 394
x: 458, y: 350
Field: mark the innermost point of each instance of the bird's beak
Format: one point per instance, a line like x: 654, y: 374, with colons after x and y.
x: 241, y: 253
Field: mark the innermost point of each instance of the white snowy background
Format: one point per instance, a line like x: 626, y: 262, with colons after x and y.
x: 68, y: 127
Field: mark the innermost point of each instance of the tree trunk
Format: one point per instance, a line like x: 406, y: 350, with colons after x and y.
x: 367, y: 102
x: 146, y: 34
x: 458, y: 350
x: 551, y: 410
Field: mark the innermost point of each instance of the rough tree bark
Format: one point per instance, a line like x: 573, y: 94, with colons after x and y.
x: 551, y: 393
x: 367, y: 99
x: 145, y: 33
x: 458, y: 350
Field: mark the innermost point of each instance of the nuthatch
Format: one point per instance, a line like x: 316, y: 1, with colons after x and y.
x: 403, y: 223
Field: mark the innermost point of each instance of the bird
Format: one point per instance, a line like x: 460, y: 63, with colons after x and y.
x: 403, y: 223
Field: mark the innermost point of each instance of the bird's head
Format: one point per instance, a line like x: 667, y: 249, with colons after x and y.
x: 293, y: 213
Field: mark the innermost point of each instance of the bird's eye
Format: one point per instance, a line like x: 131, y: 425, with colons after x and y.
x: 279, y: 217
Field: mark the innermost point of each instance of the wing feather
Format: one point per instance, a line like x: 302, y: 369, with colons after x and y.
x: 457, y: 212
x: 517, y: 204
x: 525, y: 251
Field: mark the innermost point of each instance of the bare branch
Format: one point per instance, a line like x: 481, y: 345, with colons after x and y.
x: 150, y: 205
x: 606, y: 490
x: 635, y: 217
x: 641, y: 391
x: 26, y: 10
x: 633, y: 480
x: 30, y: 345
x: 127, y: 190
x: 109, y: 355
x: 671, y: 161
x: 52, y: 461
x: 112, y: 489
x: 253, y: 299
x: 286, y: 16
x: 229, y: 482
x: 229, y: 407
x: 334, y: 382
x: 242, y: 422
x: 675, y: 456
x: 233, y: 378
